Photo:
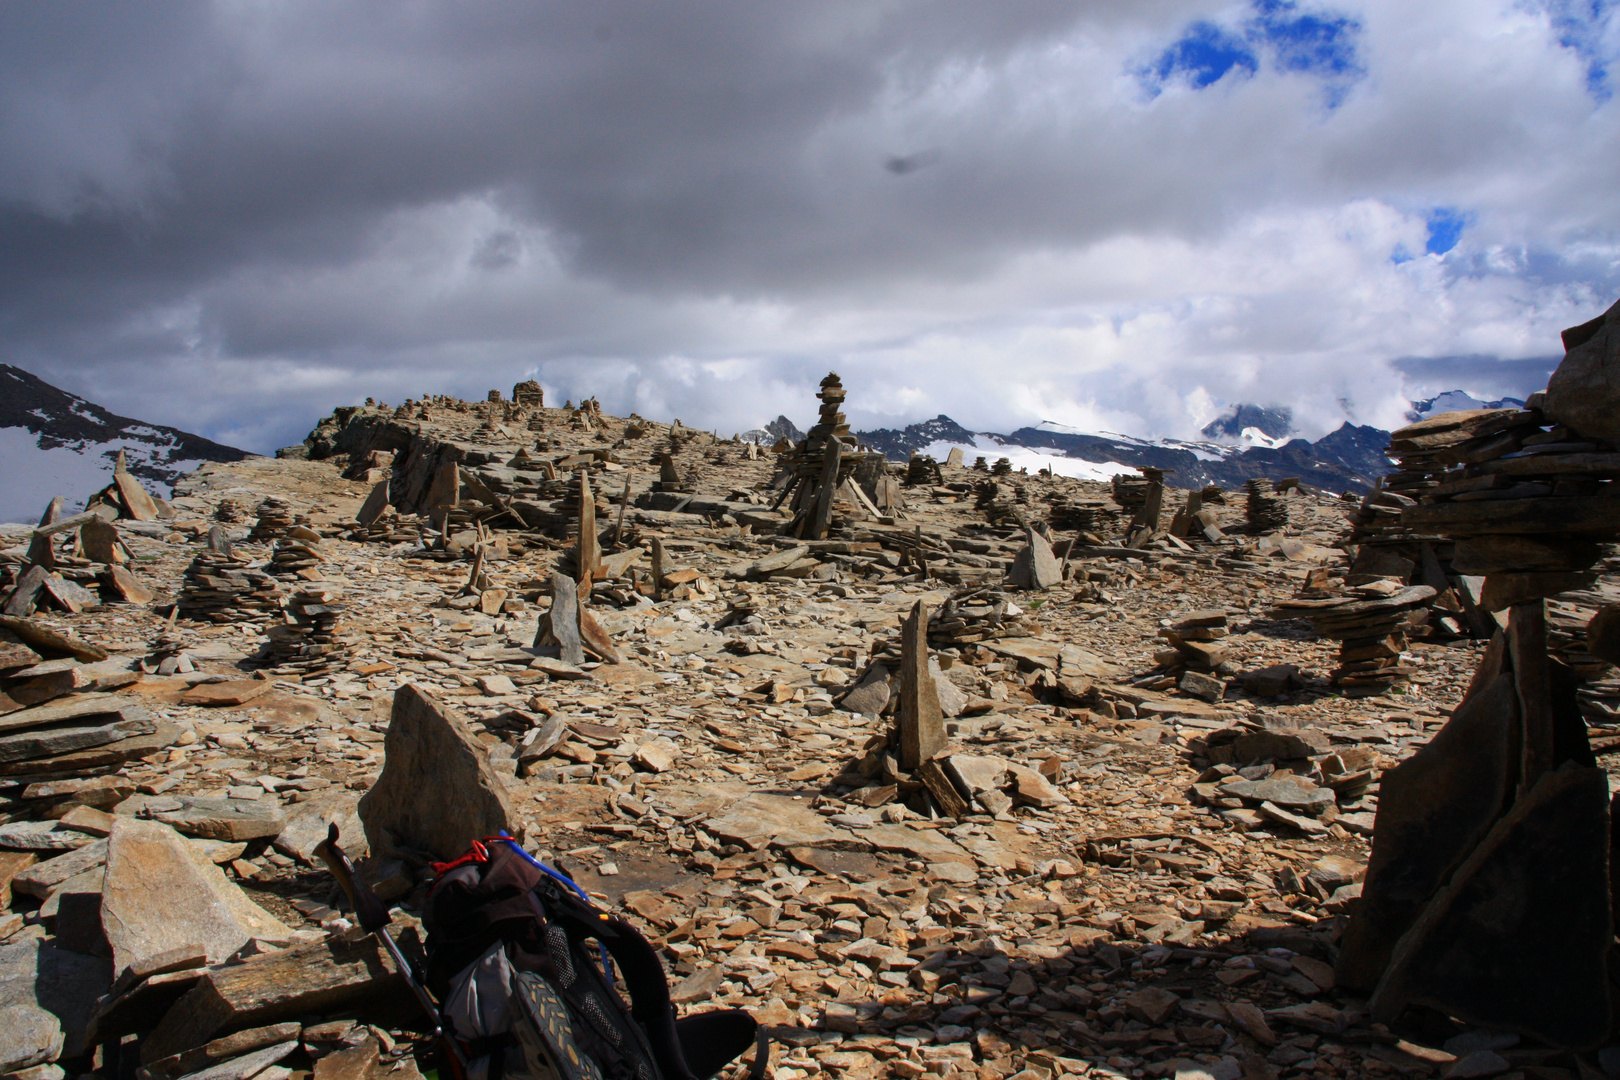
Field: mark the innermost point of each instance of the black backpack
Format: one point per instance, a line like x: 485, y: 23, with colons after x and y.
x: 526, y: 997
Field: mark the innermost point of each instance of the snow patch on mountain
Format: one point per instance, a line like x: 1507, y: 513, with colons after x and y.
x: 1457, y: 401
x: 56, y: 443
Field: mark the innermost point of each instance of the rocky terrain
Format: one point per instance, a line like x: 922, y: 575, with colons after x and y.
x: 1133, y: 855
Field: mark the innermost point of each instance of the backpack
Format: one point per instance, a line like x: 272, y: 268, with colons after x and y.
x: 527, y: 998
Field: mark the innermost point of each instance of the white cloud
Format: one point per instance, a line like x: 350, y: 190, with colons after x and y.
x: 700, y: 217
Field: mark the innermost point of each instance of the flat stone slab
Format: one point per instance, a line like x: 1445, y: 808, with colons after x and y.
x: 1290, y: 793
x: 225, y: 819
x: 160, y: 894
x: 232, y: 692
x: 757, y: 820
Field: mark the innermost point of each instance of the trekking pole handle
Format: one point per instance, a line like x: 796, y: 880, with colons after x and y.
x: 371, y: 912
x: 373, y: 916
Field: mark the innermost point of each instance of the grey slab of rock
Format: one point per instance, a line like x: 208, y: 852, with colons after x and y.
x: 974, y: 774
x: 99, y: 731
x: 1072, y: 659
x: 781, y: 560
x: 225, y: 819
x: 952, y: 701
x: 1034, y: 567
x: 46, y: 995
x: 437, y: 792
x: 926, y: 844
x: 1584, y: 391
x: 77, y: 707
x: 160, y: 893
x: 559, y: 669
x: 870, y: 694
x: 1308, y: 825
x: 757, y: 820
x: 1205, y: 687
x: 41, y: 879
x: 247, y: 1066
x: 1288, y: 791
x: 698, y: 986
x: 41, y: 836
x: 307, y: 822
x: 1031, y: 787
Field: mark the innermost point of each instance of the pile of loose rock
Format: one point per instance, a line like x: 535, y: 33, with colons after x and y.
x: 314, y: 641
x: 275, y: 517
x: 224, y: 587
x: 1267, y: 508
x: 1371, y: 623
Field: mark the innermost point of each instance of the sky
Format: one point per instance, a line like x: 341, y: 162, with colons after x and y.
x: 232, y: 217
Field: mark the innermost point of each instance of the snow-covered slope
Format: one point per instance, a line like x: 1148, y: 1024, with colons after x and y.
x: 1457, y: 401
x: 55, y: 443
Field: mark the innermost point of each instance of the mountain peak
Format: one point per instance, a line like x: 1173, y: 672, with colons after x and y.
x: 57, y: 443
x: 1457, y: 401
x: 1254, y: 424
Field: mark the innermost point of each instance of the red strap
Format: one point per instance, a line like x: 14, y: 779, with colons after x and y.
x: 477, y: 854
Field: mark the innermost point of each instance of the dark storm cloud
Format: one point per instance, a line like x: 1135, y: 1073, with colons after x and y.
x: 233, y: 216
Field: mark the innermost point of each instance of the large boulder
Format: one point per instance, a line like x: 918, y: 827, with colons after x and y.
x: 1584, y: 393
x: 437, y: 792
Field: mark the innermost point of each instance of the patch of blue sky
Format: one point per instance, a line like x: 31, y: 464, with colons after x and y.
x: 1446, y: 224
x: 1275, y: 33
x: 1202, y: 55
x: 1591, y: 29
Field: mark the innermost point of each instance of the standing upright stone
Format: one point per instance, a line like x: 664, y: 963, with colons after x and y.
x: 376, y: 503
x: 40, y: 551
x: 560, y: 625
x: 657, y: 568
x: 588, y: 556
x: 437, y: 792
x: 821, y: 516
x: 922, y: 725
x: 1035, y: 567
x: 1584, y: 392
x: 99, y: 539
x: 444, y: 492
x: 136, y: 500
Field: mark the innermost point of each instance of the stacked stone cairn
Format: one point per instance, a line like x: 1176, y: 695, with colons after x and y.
x: 311, y: 642
x: 1130, y: 492
x: 669, y: 477
x: 821, y: 468
x: 1372, y: 624
x: 1488, y: 895
x: 297, y: 554
x: 222, y: 587
x: 923, y: 469
x: 1092, y: 518
x: 529, y: 394
x: 1267, y: 507
x: 275, y: 517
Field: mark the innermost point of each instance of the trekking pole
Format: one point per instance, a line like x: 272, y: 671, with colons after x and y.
x: 373, y: 916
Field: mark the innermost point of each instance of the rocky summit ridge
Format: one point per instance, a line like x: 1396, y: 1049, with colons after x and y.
x: 939, y: 769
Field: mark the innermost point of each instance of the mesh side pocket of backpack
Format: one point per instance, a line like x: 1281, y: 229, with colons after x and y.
x: 543, y: 1026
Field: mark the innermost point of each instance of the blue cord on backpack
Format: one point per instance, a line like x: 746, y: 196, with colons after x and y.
x: 607, y: 965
